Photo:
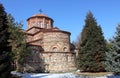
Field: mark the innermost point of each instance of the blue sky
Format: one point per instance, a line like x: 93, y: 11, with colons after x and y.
x: 68, y: 15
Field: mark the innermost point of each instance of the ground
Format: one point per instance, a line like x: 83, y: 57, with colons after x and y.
x: 94, y: 74
x: 67, y: 75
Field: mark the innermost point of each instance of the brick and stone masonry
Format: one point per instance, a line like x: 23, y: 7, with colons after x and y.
x: 51, y: 51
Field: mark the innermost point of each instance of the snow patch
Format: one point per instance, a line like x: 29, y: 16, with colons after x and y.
x: 66, y: 75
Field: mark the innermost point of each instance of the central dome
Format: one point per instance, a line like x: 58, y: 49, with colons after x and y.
x: 40, y: 20
x: 39, y: 15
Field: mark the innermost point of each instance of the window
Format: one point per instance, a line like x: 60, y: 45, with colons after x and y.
x: 40, y: 24
x: 55, y: 49
x: 47, y: 26
x: 64, y: 49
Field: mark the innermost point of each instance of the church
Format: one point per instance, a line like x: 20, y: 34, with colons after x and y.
x: 51, y: 48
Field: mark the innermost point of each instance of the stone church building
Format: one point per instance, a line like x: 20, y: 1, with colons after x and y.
x: 51, y: 47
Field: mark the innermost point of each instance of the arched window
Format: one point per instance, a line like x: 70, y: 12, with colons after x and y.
x: 47, y: 26
x: 64, y: 49
x: 55, y: 49
x: 40, y: 24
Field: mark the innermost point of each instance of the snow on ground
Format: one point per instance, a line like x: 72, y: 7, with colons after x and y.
x: 45, y: 75
x: 64, y: 75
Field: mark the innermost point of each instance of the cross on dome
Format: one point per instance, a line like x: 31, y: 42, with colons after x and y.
x: 40, y: 11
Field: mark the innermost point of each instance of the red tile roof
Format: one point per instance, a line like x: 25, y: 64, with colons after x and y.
x: 48, y: 30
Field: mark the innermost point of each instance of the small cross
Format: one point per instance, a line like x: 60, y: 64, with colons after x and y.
x: 40, y: 11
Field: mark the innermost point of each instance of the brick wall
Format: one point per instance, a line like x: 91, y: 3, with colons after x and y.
x: 59, y: 40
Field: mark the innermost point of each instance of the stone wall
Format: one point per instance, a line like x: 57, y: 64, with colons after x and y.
x: 60, y: 62
x: 52, y: 62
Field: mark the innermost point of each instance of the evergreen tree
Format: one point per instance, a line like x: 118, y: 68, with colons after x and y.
x: 92, y: 46
x: 18, y: 43
x: 113, y: 55
x: 5, y: 66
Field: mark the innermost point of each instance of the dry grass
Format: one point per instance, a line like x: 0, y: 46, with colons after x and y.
x: 93, y: 74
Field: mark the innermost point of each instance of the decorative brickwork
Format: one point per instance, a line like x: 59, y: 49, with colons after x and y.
x: 50, y: 46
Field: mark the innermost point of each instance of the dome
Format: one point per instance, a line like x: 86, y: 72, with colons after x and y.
x: 39, y: 15
x: 40, y: 20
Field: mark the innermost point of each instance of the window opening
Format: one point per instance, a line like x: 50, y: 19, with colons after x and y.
x: 40, y: 24
x: 64, y: 49
x: 55, y: 49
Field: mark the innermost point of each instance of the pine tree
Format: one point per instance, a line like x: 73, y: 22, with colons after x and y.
x: 113, y: 55
x: 17, y: 42
x: 92, y: 46
x: 5, y: 65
